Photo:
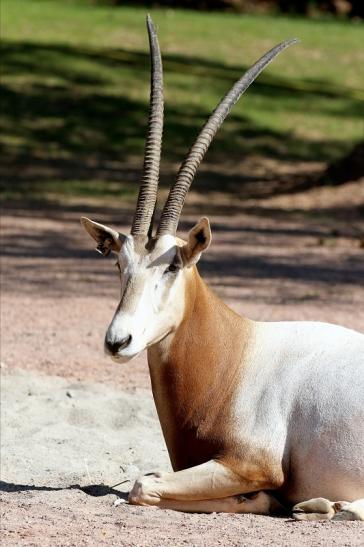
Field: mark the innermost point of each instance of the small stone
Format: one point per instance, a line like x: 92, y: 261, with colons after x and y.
x: 119, y: 501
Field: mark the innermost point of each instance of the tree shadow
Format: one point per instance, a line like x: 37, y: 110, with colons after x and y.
x: 63, y: 120
x: 238, y: 269
x: 57, y: 258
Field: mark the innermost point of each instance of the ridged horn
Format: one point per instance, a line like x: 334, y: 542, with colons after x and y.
x: 147, y: 197
x: 177, y: 194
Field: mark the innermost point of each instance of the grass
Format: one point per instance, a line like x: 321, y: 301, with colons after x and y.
x: 75, y: 91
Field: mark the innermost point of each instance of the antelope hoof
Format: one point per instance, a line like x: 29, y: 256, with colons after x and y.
x: 349, y: 511
x: 145, y: 489
x: 315, y: 509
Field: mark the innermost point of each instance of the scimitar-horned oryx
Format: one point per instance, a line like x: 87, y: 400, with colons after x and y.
x: 252, y: 412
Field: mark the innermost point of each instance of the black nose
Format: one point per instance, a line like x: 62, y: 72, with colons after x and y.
x: 116, y: 345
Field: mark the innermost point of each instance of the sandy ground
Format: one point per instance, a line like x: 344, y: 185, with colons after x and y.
x: 75, y: 425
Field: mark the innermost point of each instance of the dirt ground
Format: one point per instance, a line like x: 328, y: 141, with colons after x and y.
x: 75, y: 425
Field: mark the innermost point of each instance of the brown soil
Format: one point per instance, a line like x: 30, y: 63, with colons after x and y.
x: 294, y: 256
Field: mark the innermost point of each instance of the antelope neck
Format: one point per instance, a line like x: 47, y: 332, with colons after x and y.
x: 194, y: 374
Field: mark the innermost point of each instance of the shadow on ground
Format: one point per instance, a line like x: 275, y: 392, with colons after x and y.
x: 95, y: 490
x: 47, y: 250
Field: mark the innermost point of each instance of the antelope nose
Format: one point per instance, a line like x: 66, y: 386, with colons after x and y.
x: 113, y: 346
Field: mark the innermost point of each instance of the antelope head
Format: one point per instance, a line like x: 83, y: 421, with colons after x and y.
x: 154, y: 267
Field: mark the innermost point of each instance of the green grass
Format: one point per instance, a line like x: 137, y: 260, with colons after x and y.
x: 75, y: 90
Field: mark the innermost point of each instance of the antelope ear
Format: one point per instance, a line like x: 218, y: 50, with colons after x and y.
x: 107, y: 239
x: 199, y: 238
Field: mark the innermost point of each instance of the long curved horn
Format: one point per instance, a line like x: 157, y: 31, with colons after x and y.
x: 177, y: 195
x: 143, y: 217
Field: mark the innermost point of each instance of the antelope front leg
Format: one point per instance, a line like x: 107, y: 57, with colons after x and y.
x: 206, y: 488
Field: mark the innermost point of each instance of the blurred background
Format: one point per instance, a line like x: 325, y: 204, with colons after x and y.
x: 282, y: 182
x: 283, y: 186
x: 75, y: 90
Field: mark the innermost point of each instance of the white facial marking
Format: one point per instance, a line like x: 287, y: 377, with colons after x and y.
x: 152, y: 297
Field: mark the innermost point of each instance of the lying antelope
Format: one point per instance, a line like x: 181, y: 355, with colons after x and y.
x: 246, y: 407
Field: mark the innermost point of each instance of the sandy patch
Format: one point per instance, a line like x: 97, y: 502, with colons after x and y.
x: 65, y: 446
x: 57, y: 433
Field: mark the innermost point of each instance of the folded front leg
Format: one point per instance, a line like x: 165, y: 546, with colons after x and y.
x: 209, y: 487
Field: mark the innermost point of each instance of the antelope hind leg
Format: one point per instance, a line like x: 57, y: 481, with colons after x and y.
x: 349, y: 511
x: 206, y: 488
x: 323, y: 509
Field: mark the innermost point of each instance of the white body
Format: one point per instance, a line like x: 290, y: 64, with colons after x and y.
x: 301, y: 397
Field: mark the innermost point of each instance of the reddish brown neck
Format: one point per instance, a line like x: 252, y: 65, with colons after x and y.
x: 194, y: 374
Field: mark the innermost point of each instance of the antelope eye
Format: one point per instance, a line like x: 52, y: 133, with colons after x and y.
x: 172, y: 268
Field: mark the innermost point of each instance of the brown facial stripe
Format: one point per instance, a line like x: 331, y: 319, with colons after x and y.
x: 125, y: 294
